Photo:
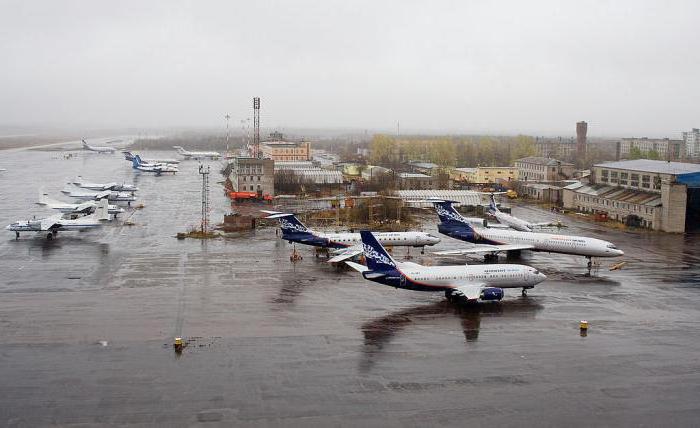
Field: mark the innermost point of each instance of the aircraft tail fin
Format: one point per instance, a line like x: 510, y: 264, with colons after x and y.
x: 289, y: 223
x: 86, y: 145
x: 180, y: 150
x: 448, y: 214
x: 378, y: 260
x: 102, y: 210
x: 136, y: 161
x: 493, y: 208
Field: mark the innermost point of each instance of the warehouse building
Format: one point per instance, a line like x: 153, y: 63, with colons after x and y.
x: 647, y: 193
x: 485, y: 174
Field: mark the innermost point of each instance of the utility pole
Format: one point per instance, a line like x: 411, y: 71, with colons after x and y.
x: 205, y: 198
x: 227, y: 117
x: 256, y: 128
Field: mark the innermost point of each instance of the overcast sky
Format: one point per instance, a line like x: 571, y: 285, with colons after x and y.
x: 627, y: 67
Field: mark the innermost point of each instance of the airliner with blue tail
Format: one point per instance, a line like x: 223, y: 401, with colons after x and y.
x: 461, y: 282
x: 494, y: 241
x: 347, y: 243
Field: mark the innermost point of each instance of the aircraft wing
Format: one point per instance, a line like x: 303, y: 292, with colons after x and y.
x: 358, y: 267
x: 53, y: 222
x: 469, y: 291
x: 484, y: 248
x: 345, y: 253
x: 103, y: 194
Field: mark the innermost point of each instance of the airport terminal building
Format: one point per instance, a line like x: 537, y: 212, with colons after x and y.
x: 653, y: 194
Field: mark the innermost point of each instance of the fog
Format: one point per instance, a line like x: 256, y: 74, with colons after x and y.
x: 626, y: 67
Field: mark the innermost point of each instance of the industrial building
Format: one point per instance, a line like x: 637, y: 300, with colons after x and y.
x: 307, y: 172
x: 541, y: 169
x: 416, y: 181
x: 485, y: 174
x: 420, y: 198
x: 253, y: 175
x: 555, y: 147
x: 659, y: 148
x: 658, y: 195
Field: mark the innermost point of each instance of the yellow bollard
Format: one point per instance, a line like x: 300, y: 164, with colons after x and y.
x: 178, y: 345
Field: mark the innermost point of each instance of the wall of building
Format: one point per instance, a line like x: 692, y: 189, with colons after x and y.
x: 616, y: 210
x: 674, y: 198
x: 253, y: 175
x: 286, y: 151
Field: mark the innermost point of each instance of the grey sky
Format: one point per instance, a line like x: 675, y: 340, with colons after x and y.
x: 627, y: 67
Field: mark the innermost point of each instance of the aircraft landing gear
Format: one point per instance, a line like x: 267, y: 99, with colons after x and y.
x: 16, y: 235
x: 422, y: 250
x: 524, y: 292
x: 49, y: 236
x: 448, y: 295
x: 589, y: 265
x: 491, y: 258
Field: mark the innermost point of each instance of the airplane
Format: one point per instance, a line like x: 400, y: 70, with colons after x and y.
x: 512, y: 221
x: 458, y: 282
x: 87, y: 207
x: 105, y: 186
x: 157, y: 168
x: 196, y: 155
x: 346, y: 244
x: 493, y: 241
x: 58, y: 222
x: 102, y: 149
x: 130, y: 157
x: 95, y: 196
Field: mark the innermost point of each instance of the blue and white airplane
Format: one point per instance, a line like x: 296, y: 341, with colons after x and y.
x: 494, y: 241
x: 157, y: 168
x: 512, y: 221
x: 130, y: 157
x: 471, y: 283
x: 294, y: 230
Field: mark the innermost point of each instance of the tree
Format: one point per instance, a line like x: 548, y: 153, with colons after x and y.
x: 382, y: 150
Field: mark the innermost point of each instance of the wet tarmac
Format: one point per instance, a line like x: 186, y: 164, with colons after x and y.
x: 87, y: 322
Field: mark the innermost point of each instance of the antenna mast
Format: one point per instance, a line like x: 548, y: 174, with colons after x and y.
x: 256, y: 128
x: 205, y: 198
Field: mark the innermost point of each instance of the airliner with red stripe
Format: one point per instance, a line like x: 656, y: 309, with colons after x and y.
x: 472, y: 283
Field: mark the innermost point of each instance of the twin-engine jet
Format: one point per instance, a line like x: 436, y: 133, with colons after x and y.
x: 494, y: 241
x: 196, y: 155
x: 87, y: 207
x: 116, y: 187
x: 464, y: 282
x: 99, y: 149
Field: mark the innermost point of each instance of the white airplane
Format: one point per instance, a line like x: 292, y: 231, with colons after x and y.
x: 462, y: 282
x: 514, y: 222
x: 96, y: 196
x: 196, y: 155
x: 102, y: 149
x: 346, y: 245
x: 105, y: 186
x: 157, y: 168
x: 494, y: 241
x: 57, y: 223
x: 130, y: 157
x: 87, y: 207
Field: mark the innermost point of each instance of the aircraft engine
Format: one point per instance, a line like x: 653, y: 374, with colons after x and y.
x: 492, y: 293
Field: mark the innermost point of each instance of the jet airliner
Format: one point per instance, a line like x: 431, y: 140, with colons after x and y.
x: 471, y: 283
x: 494, y: 241
x: 197, y: 155
x: 294, y: 230
x: 98, y: 149
x: 512, y: 221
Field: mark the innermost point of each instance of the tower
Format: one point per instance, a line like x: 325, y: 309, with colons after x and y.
x: 581, y: 131
x: 205, y: 198
x: 256, y: 128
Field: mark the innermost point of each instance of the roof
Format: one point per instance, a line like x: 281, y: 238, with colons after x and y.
x: 424, y: 165
x: 653, y: 166
x: 539, y: 160
x: 619, y: 194
x: 420, y: 198
x: 466, y: 169
x: 413, y: 175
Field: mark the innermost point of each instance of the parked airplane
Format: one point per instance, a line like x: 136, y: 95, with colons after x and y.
x: 295, y: 231
x: 157, y: 168
x: 95, y: 196
x: 512, y: 221
x: 87, y: 207
x: 57, y: 223
x: 471, y: 283
x: 196, y: 155
x: 494, y: 241
x: 130, y: 157
x: 105, y: 186
x: 102, y: 149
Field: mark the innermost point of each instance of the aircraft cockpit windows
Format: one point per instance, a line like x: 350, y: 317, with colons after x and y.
x: 611, y: 246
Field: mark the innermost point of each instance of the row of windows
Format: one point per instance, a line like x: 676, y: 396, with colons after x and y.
x: 251, y: 188
x: 251, y: 178
x: 614, y: 204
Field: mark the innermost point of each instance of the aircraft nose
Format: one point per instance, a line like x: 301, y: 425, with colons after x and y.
x: 541, y: 277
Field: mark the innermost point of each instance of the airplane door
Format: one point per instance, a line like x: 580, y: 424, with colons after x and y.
x: 402, y: 281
